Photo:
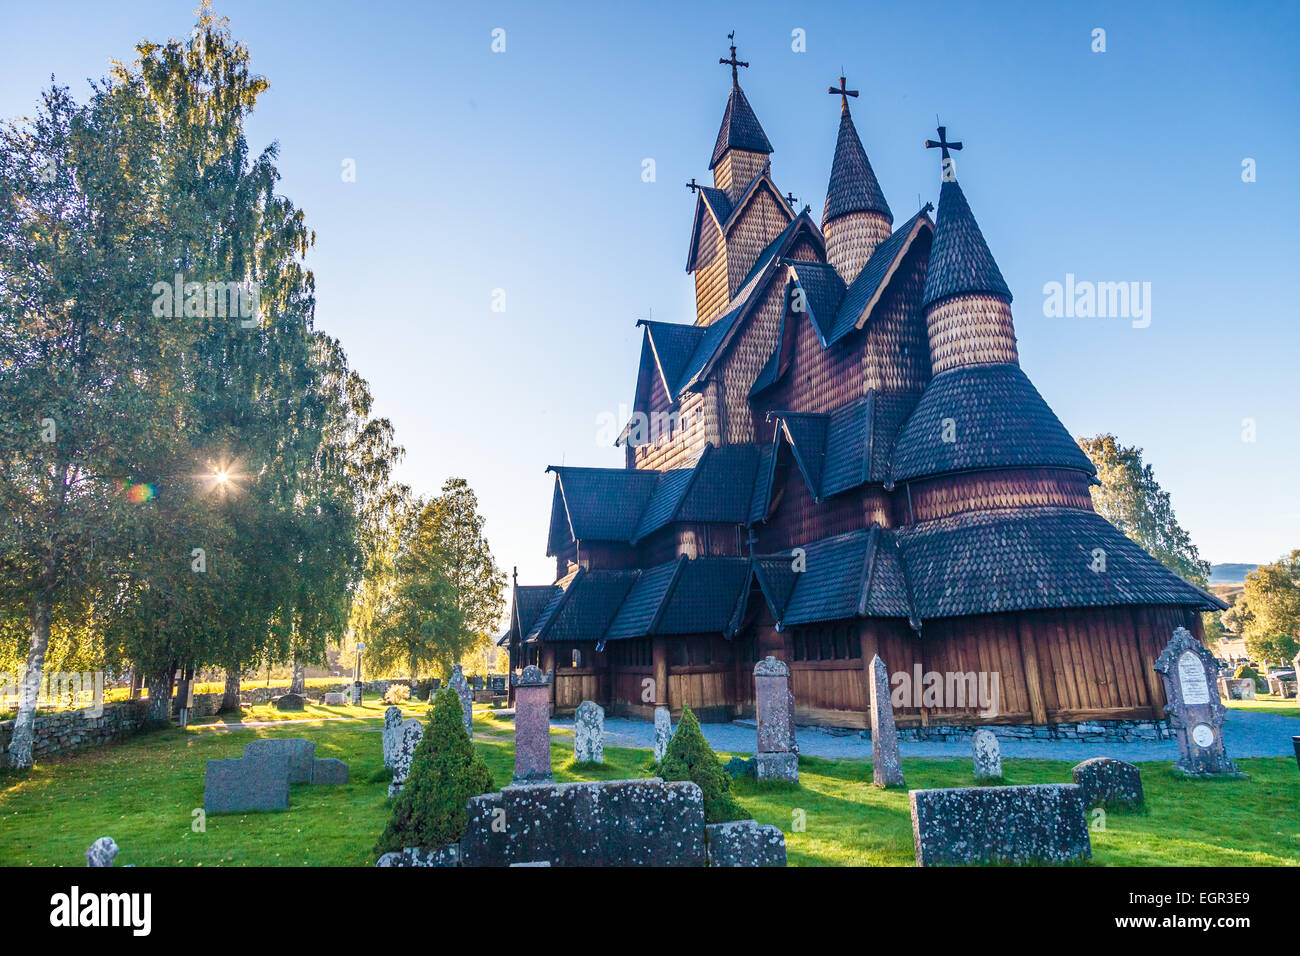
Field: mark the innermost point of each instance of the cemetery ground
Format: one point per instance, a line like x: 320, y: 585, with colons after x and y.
x: 143, y: 793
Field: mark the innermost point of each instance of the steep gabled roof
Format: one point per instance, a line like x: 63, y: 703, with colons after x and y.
x: 960, y: 261
x: 761, y: 499
x: 1033, y: 558
x: 672, y: 344
x: 776, y: 577
x: 527, y: 605
x: 740, y: 128
x: 723, y: 214
x: 853, y: 185
x: 848, y: 575
x: 717, y: 488
x: 817, y: 290
x: 599, y: 504
x: 998, y: 420
x: 584, y: 609
x: 867, y: 288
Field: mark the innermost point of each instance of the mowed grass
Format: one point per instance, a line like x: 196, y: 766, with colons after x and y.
x: 143, y: 793
x: 1268, y: 704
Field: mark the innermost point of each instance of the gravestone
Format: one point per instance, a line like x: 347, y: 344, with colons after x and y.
x: 988, y: 756
x: 1106, y: 782
x: 336, y: 699
x: 461, y: 687
x: 289, y: 702
x: 102, y: 852
x: 296, y: 752
x: 448, y: 855
x: 392, y: 734
x: 328, y: 771
x: 412, y: 734
x: 533, y: 726
x: 1196, y: 715
x: 260, y: 782
x: 357, y: 694
x: 663, y: 732
x: 886, y: 765
x: 744, y: 843
x: 777, y: 758
x: 588, y: 733
x: 1029, y: 824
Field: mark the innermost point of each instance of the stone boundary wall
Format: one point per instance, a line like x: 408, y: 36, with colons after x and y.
x: 1096, y: 731
x: 60, y: 732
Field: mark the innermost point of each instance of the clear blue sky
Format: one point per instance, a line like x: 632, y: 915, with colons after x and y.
x: 522, y: 171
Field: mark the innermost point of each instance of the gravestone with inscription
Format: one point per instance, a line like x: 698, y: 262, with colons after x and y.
x: 589, y: 733
x: 988, y: 756
x: 777, y: 757
x: 1196, y: 713
x: 663, y: 732
x: 533, y: 726
x: 886, y: 766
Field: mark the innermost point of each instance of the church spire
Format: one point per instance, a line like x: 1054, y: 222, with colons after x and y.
x: 742, y: 148
x: 967, y: 302
x: 856, y: 218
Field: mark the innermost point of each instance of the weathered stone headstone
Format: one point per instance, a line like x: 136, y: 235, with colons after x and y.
x: 588, y: 733
x: 462, y: 689
x: 328, y: 771
x: 412, y: 734
x: 102, y: 852
x: 533, y: 726
x: 246, y: 783
x: 336, y: 699
x: 1030, y: 824
x: 988, y: 755
x: 776, y: 756
x: 1106, y: 782
x: 663, y: 732
x: 744, y: 843
x: 1188, y: 670
x: 886, y: 765
x: 448, y: 855
x: 289, y: 702
x: 297, y: 753
x: 392, y: 734
x: 357, y: 694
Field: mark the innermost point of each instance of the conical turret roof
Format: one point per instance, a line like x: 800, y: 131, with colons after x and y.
x: 853, y: 186
x: 740, y: 128
x: 960, y: 261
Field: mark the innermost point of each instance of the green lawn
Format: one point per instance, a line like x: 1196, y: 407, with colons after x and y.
x: 142, y: 793
x: 1269, y: 704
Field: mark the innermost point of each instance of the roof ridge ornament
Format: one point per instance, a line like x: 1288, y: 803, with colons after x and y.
x: 844, y: 94
x: 732, y: 61
x: 949, y: 164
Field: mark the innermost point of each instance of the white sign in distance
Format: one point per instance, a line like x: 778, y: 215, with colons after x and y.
x: 1191, y: 676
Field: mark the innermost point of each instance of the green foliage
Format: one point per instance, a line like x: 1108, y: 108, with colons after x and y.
x: 446, y: 772
x: 689, y: 757
x: 1131, y: 499
x: 1245, y: 670
x: 454, y: 521
x: 1268, y: 610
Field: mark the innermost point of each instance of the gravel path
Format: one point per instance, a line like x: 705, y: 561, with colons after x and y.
x: 1247, y: 734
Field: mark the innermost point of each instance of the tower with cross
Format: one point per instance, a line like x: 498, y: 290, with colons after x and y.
x: 732, y: 61
x: 943, y: 145
x: 844, y: 94
x: 857, y: 218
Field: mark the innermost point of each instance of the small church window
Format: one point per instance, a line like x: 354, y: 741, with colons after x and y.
x: 577, y: 658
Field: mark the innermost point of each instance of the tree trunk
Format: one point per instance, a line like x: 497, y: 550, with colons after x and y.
x: 160, y: 696
x: 298, y: 685
x: 230, y: 701
x: 20, y: 744
x: 137, y: 682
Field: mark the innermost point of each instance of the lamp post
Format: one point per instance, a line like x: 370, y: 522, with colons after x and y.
x: 356, y: 683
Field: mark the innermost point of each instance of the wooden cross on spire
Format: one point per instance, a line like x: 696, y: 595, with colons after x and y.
x: 844, y: 93
x: 733, y: 62
x: 943, y: 143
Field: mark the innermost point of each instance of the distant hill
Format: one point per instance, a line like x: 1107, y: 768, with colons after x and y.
x: 1230, y: 573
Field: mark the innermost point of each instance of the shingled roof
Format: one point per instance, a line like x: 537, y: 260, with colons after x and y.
x: 672, y: 344
x: 740, y: 128
x: 597, y: 504
x: 584, y: 607
x: 717, y: 488
x: 960, y: 261
x: 849, y: 575
x: 853, y: 185
x: 856, y: 305
x: 998, y: 420
x: 1033, y: 558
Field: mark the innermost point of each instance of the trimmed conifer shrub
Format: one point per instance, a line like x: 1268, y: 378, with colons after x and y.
x: 689, y: 757
x: 446, y: 771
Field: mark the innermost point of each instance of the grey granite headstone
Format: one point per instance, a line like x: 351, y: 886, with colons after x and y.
x: 392, y: 734
x: 336, y: 699
x: 776, y: 757
x: 744, y: 843
x: 328, y: 771
x: 988, y: 755
x: 886, y: 765
x: 246, y: 783
x: 1110, y: 783
x: 102, y: 852
x: 532, y: 726
x: 1030, y: 824
x: 1188, y: 670
x: 589, y: 733
x: 412, y: 734
x: 297, y: 752
x: 289, y: 702
x: 462, y: 689
x: 663, y: 732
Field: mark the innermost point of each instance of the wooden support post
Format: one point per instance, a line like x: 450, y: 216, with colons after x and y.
x: 660, y: 651
x: 1033, y: 681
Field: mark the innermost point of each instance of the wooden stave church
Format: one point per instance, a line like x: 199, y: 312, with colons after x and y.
x: 841, y: 457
